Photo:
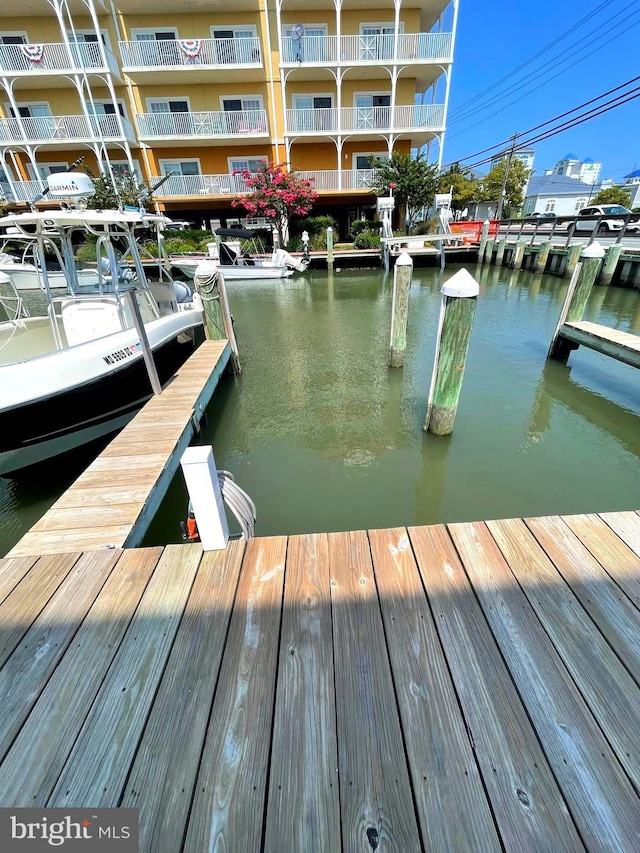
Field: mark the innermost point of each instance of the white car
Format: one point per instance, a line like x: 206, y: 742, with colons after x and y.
x: 610, y: 213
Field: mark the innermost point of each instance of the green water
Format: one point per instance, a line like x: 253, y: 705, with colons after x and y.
x: 324, y: 436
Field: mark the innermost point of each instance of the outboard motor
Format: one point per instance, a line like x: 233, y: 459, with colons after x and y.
x: 184, y: 294
x: 283, y: 258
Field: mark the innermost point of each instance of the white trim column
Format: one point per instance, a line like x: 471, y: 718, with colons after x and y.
x: 454, y: 30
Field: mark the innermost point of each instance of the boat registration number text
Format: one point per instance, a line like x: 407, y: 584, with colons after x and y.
x: 122, y: 354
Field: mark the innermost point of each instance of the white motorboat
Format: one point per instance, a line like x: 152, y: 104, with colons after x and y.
x: 78, y: 373
x: 236, y: 265
x: 27, y: 276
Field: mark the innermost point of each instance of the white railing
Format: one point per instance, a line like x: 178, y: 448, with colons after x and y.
x: 61, y: 128
x: 349, y: 179
x: 246, y: 123
x: 194, y: 185
x: 418, y: 47
x: 56, y: 57
x: 175, y: 53
x: 22, y: 190
x: 366, y: 119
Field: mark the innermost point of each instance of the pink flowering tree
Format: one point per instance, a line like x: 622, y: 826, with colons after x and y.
x: 276, y: 194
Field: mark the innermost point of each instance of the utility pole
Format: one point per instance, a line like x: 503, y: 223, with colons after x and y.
x: 506, y: 175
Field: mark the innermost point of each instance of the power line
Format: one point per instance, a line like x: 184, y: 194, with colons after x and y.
x: 509, y: 76
x: 590, y: 51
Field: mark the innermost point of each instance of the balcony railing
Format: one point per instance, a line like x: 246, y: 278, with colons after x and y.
x: 196, y: 53
x: 55, y: 57
x: 349, y: 179
x: 417, y: 47
x: 366, y: 119
x: 193, y: 185
x: 208, y: 124
x: 61, y: 128
x: 22, y: 190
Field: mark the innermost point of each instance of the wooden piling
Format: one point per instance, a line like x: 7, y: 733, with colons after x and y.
x: 488, y: 251
x: 518, y: 255
x: 330, y: 248
x: 610, y: 263
x: 483, y: 240
x: 227, y: 320
x: 572, y: 258
x: 500, y: 247
x: 205, y: 282
x: 459, y: 297
x: 402, y: 273
x: 542, y: 256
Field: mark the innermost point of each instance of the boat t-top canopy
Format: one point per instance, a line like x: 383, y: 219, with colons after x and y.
x: 45, y: 221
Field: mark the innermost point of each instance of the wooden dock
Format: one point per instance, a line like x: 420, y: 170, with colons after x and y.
x: 472, y: 687
x: 109, y: 507
x: 622, y: 346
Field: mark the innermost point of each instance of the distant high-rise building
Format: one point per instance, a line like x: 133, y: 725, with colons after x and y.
x: 525, y: 155
x: 587, y: 171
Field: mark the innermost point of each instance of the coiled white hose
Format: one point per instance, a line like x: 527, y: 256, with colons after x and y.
x: 239, y: 503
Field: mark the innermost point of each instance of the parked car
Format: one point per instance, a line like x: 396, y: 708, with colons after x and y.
x: 544, y: 215
x: 610, y: 213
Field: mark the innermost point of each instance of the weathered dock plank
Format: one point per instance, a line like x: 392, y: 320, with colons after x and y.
x: 529, y: 807
x: 12, y: 570
x: 303, y: 807
x: 626, y: 526
x: 97, y: 768
x: 452, y: 805
x: 96, y: 512
x: 38, y: 754
x: 602, y: 800
x: 230, y: 794
x: 619, y: 561
x: 376, y: 800
x: 607, y: 687
x: 622, y: 346
x: 171, y: 746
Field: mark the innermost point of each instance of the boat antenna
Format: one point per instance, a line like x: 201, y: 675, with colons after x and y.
x: 147, y: 193
x: 74, y: 165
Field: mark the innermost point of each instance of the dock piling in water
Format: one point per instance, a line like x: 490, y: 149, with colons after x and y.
x: 330, y: 248
x: 542, y: 256
x: 483, y: 239
x: 402, y: 274
x: 610, y: 263
x: 457, y: 310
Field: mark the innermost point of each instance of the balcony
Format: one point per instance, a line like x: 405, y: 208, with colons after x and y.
x: 412, y: 47
x: 24, y: 191
x: 67, y: 130
x: 417, y: 118
x: 195, y: 127
x: 30, y: 66
x: 199, y: 185
x: 150, y: 60
x: 333, y: 180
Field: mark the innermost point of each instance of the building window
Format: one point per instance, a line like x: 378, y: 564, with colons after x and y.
x: 105, y: 108
x: 580, y: 203
x: 363, y: 161
x: 311, y: 47
x: 180, y: 167
x: 45, y: 169
x: 550, y: 205
x: 239, y: 105
x: 13, y: 38
x: 247, y: 164
x: 177, y: 106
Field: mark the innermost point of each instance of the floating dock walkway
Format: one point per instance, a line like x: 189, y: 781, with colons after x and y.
x: 622, y: 346
x: 472, y: 687
x: 112, y: 503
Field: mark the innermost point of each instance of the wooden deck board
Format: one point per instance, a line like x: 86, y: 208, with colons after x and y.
x: 376, y: 800
x: 303, y: 808
x: 529, y: 807
x: 228, y: 807
x: 95, y: 512
x: 481, y: 668
x: 622, y: 346
x: 174, y: 734
x: 452, y: 805
x: 625, y: 525
x: 602, y: 800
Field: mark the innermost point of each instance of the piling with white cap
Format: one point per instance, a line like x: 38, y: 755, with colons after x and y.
x: 402, y: 274
x: 457, y: 311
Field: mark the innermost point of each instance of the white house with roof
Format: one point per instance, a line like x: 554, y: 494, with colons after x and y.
x: 632, y: 186
x: 557, y: 194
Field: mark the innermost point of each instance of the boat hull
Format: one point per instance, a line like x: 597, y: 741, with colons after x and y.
x: 44, y: 428
x: 233, y: 272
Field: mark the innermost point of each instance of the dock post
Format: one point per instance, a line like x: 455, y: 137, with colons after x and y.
x: 457, y: 310
x: 610, y: 263
x: 518, y: 255
x: 488, y: 251
x: 501, y: 245
x: 201, y: 477
x: 330, y: 248
x: 402, y: 273
x: 483, y: 240
x: 572, y: 258
x: 575, y: 302
x: 543, y: 256
x: 205, y: 281
x: 147, y: 353
x: 227, y: 320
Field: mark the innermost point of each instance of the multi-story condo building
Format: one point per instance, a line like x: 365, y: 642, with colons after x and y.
x: 203, y: 89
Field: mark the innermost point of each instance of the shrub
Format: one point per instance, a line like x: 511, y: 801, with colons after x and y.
x: 429, y: 226
x: 360, y: 225
x: 202, y: 244
x: 177, y: 245
x: 150, y: 247
x: 343, y: 247
x: 367, y: 240
x: 295, y: 244
x: 87, y: 251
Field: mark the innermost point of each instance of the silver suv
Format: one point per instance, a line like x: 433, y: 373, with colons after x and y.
x: 610, y: 221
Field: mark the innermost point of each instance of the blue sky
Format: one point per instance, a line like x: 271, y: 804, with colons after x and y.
x: 494, y: 39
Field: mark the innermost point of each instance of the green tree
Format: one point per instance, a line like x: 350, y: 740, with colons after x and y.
x: 612, y: 195
x: 491, y: 185
x: 412, y: 181
x: 106, y: 198
x: 466, y: 188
